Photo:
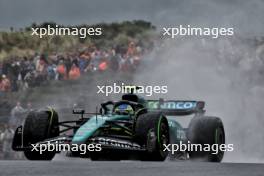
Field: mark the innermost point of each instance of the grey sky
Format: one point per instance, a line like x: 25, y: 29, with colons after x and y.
x: 246, y: 16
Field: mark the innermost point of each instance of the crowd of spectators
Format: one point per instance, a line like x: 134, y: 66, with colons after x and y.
x: 21, y: 73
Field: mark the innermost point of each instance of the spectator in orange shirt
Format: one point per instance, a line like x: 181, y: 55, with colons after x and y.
x: 5, y: 84
x: 74, y: 72
x: 131, y: 50
x: 61, y: 71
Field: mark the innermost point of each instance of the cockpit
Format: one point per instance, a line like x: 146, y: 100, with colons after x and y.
x: 124, y: 109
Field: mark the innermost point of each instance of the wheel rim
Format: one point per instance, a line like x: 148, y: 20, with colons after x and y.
x: 164, y: 138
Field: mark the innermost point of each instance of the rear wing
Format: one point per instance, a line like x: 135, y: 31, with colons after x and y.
x: 176, y: 107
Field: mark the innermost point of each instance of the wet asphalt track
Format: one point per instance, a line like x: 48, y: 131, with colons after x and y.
x: 127, y: 168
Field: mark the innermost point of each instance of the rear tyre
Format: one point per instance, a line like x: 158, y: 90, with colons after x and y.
x: 152, y: 131
x: 39, y: 126
x: 204, y: 131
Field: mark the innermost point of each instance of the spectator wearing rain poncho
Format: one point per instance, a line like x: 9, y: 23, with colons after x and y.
x: 17, y: 115
x: 6, y: 137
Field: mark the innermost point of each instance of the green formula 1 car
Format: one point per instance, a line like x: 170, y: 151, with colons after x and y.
x: 132, y: 128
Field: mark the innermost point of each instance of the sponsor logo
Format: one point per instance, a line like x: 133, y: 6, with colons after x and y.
x: 176, y: 105
x: 115, y: 143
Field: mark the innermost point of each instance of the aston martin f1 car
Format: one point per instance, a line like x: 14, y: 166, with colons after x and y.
x: 132, y: 128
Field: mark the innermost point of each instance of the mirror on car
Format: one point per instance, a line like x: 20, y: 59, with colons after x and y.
x: 101, y: 111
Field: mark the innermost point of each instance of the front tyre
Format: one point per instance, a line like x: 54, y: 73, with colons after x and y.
x: 39, y: 126
x: 152, y: 131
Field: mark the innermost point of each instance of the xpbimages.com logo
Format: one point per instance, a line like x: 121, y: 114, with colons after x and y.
x: 59, y: 147
x: 123, y: 89
x: 57, y: 30
x: 190, y: 147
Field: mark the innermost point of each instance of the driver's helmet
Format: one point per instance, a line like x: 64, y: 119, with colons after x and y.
x: 124, y: 109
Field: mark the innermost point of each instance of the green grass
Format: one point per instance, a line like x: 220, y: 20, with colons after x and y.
x: 22, y: 43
